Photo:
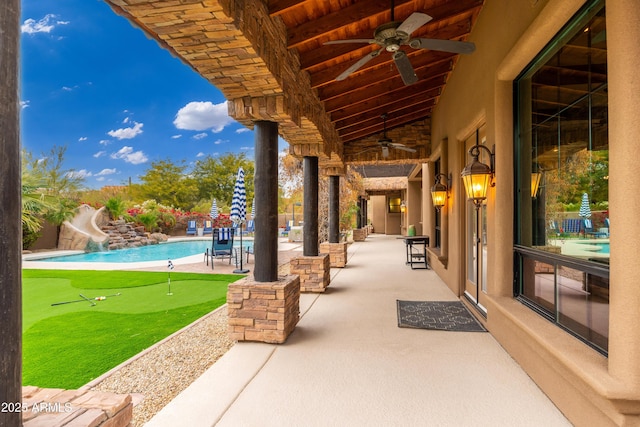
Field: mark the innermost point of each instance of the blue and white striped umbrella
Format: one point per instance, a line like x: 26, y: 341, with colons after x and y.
x: 239, y: 201
x: 214, y: 210
x: 585, y: 209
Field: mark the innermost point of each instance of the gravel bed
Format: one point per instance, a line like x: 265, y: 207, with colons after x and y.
x: 162, y: 373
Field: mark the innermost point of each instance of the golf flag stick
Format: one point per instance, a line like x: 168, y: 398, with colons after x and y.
x: 170, y: 267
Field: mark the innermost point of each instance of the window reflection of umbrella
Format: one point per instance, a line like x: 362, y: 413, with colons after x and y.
x: 239, y: 210
x: 585, y: 212
x: 585, y: 209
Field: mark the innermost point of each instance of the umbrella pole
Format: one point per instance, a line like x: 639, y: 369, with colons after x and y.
x: 240, y: 270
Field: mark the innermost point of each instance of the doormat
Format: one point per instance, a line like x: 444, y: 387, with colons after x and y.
x: 437, y: 315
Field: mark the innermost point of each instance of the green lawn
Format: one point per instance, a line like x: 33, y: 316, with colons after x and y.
x: 66, y: 346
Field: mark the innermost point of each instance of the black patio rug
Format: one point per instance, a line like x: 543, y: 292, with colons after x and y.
x: 437, y: 315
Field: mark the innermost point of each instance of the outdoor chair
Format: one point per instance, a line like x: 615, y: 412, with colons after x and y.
x: 191, y: 227
x: 222, y: 246
x: 572, y: 225
x: 588, y: 230
x: 251, y: 227
x: 208, y: 227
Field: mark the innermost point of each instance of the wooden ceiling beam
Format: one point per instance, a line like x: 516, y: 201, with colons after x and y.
x: 435, y: 79
x: 377, y: 131
x: 353, y: 118
x: 324, y: 25
x: 279, y: 7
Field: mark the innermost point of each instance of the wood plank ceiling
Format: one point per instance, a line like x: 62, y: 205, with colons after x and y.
x: 355, y: 105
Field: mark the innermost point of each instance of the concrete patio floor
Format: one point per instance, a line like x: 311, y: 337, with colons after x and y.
x: 348, y: 363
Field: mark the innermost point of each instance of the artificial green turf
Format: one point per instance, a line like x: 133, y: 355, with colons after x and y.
x: 65, y: 346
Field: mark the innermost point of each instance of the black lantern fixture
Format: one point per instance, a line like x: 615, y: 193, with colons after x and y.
x: 477, y: 176
x: 440, y: 191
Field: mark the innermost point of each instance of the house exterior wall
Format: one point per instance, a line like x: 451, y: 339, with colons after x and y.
x: 378, y: 212
x: 589, y: 388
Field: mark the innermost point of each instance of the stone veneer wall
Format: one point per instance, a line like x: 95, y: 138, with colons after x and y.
x: 77, y: 408
x: 337, y: 253
x: 314, y: 272
x: 263, y: 311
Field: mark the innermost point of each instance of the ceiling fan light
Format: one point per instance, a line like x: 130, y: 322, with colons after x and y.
x: 385, y: 152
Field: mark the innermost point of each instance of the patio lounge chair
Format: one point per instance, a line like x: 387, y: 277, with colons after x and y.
x: 572, y: 225
x: 588, y: 230
x: 191, y: 227
x: 251, y: 227
x: 208, y: 227
x: 222, y: 246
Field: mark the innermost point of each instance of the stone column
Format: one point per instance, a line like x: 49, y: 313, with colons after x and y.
x: 10, y: 208
x: 334, y: 209
x: 336, y: 249
x: 623, y: 55
x: 266, y: 193
x: 312, y: 268
x: 265, y: 307
x: 310, y: 227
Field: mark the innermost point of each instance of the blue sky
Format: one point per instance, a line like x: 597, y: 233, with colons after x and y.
x: 93, y: 83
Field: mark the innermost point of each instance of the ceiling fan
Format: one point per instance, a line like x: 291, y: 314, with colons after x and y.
x: 385, y: 142
x: 392, y: 35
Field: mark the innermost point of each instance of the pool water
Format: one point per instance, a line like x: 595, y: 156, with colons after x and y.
x: 159, y: 252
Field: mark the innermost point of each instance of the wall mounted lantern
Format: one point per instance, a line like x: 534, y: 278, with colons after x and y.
x: 477, y: 176
x: 536, y: 177
x: 403, y: 207
x: 440, y: 191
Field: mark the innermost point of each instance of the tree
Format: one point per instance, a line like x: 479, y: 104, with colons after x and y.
x: 61, y: 210
x: 57, y: 181
x: 216, y: 177
x: 169, y: 184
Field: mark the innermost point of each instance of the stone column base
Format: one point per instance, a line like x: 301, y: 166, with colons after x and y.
x: 337, y: 253
x: 359, y: 234
x: 263, y: 311
x: 314, y: 272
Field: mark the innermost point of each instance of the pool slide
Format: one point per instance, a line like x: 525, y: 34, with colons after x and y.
x: 77, y: 233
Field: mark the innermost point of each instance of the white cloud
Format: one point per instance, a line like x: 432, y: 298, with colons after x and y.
x: 24, y: 104
x: 106, y: 172
x: 219, y: 141
x: 176, y: 136
x: 200, y: 154
x: 200, y: 135
x: 82, y: 138
x: 243, y: 130
x: 127, y: 133
x: 128, y: 155
x: 100, y: 178
x: 44, y: 25
x: 203, y: 116
x: 82, y: 173
x: 246, y: 148
x: 104, y: 142
x: 99, y: 154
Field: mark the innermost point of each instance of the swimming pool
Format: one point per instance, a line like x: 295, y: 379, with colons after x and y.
x: 159, y: 252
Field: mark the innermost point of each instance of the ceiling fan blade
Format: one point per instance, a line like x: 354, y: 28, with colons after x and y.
x: 413, y: 22
x: 368, y: 41
x: 358, y: 64
x: 402, y: 147
x: 453, y: 46
x: 405, y: 68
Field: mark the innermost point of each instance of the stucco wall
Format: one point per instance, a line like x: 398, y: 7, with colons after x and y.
x: 589, y: 388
